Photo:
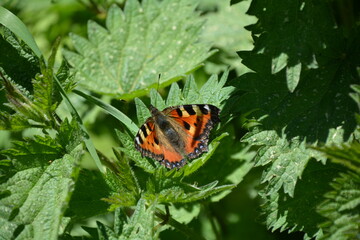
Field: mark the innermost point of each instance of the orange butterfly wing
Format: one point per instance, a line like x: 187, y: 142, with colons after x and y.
x: 193, y: 122
x: 148, y: 143
x: 197, y: 121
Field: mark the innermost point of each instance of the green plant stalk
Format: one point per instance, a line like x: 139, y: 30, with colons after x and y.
x: 89, y: 144
x: 111, y: 110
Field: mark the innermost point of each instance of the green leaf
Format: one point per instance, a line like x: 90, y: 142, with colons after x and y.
x: 286, y: 160
x: 13, y: 23
x: 87, y: 198
x: 194, y: 193
x: 212, y: 92
x: 37, y: 198
x: 43, y: 85
x: 140, y: 225
x: 104, y: 232
x: 35, y: 152
x: 17, y: 54
x: 123, y: 182
x: 297, y: 213
x: 126, y: 175
x: 69, y: 135
x: 346, y: 154
x: 25, y: 109
x: 342, y: 208
x: 293, y: 76
x: 291, y: 30
x: 142, y: 111
x: 225, y: 28
x: 342, y: 204
x: 39, y: 151
x: 168, y: 187
x: 300, y: 96
x: 138, y: 45
x: 34, y: 104
x: 310, y: 111
x: 184, y: 213
x: 279, y: 63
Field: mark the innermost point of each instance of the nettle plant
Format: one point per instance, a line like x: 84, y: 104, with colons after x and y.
x: 293, y: 114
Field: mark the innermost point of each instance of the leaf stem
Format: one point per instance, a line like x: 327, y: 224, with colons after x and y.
x: 212, y: 220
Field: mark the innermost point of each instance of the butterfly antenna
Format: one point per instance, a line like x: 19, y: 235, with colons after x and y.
x: 157, y: 89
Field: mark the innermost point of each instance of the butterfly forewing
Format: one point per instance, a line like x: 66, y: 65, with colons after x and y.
x: 147, y: 142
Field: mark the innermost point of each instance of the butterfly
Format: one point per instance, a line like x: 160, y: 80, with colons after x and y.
x: 176, y: 133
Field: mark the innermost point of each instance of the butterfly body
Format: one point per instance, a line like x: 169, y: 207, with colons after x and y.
x: 177, y: 133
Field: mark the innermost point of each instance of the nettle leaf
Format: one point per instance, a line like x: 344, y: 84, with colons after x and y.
x: 289, y: 162
x: 311, y: 110
x: 21, y: 102
x: 185, y: 194
x: 35, y: 199
x: 299, y: 93
x: 184, y: 213
x: 138, y: 45
x: 42, y: 150
x: 123, y: 182
x: 286, y: 159
x: 69, y: 135
x: 35, y: 152
x: 166, y: 187
x: 298, y: 213
x: 139, y: 226
x: 141, y: 223
x: 342, y: 208
x: 212, y: 92
x: 14, y: 54
x: 32, y: 101
x: 86, y: 200
x: 287, y: 24
x: 346, y: 154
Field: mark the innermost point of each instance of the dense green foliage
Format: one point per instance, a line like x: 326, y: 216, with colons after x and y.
x: 284, y: 162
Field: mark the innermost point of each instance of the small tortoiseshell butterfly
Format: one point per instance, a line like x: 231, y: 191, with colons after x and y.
x: 177, y: 133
